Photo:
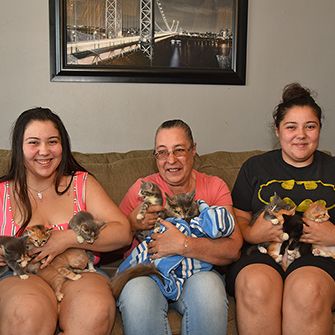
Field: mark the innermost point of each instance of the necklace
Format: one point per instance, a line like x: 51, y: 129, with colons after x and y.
x: 39, y: 194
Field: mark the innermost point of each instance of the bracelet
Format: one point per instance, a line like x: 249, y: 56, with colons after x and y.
x: 186, y: 242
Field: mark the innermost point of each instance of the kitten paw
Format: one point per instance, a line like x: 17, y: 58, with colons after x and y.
x: 262, y: 250
x: 285, y: 237
x: 316, y: 252
x: 76, y: 277
x: 279, y: 258
x: 24, y: 277
x: 293, y: 254
x: 59, y: 296
x: 80, y: 239
x: 274, y: 221
x: 139, y: 216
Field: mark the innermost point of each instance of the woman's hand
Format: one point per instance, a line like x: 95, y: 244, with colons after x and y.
x: 265, y: 231
x: 150, y: 218
x: 322, y: 233
x: 170, y: 242
x: 58, y: 242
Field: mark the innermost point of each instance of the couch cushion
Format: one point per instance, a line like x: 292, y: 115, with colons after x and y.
x: 224, y: 164
x: 117, y: 177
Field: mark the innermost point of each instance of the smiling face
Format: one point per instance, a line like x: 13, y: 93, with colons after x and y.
x: 42, y: 149
x: 299, y: 134
x: 176, y: 171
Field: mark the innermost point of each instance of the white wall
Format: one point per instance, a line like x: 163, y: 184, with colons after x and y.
x: 287, y: 41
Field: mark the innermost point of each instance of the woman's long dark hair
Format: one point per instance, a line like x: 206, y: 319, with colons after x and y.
x: 17, y: 171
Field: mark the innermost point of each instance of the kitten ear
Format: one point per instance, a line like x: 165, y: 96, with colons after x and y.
x: 191, y: 195
x: 168, y: 199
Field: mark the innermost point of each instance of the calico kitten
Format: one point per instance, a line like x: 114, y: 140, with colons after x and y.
x: 317, y: 212
x: 182, y: 206
x: 274, y: 212
x: 15, y: 254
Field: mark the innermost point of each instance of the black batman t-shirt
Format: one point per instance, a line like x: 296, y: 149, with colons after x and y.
x: 264, y: 175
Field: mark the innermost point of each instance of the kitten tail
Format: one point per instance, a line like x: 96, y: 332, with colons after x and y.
x: 119, y: 281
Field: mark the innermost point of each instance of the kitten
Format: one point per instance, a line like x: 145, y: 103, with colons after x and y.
x: 87, y: 230
x: 86, y: 227
x: 15, y: 254
x: 150, y: 194
x: 66, y: 265
x: 274, y: 212
x: 180, y: 205
x: 318, y: 212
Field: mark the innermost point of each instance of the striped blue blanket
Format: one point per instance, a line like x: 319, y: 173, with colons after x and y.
x: 213, y: 222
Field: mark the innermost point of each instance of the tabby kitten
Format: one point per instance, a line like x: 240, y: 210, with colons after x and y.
x: 15, y: 254
x: 317, y: 212
x: 87, y: 230
x: 150, y: 194
x: 182, y: 206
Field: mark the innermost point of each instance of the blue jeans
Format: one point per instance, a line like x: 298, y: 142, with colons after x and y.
x: 203, y: 305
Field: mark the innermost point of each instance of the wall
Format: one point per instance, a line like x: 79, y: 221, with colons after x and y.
x: 287, y: 41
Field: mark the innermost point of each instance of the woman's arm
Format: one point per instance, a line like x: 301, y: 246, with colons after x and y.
x: 220, y: 251
x: 260, y: 231
x: 114, y: 235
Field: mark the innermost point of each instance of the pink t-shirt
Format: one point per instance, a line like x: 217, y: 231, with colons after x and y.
x: 213, y: 190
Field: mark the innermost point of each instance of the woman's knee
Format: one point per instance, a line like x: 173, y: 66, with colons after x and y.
x: 309, y: 287
x: 256, y: 283
x: 31, y: 314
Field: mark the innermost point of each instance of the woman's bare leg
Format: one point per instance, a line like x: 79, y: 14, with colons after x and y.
x: 258, y: 292
x: 28, y: 304
x: 309, y: 297
x: 88, y: 306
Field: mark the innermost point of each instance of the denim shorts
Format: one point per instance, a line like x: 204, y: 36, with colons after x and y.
x: 6, y: 272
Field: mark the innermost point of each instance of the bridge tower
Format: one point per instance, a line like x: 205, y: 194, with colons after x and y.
x: 113, y: 18
x: 147, y: 29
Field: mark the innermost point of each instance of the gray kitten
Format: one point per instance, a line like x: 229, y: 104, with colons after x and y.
x: 182, y: 206
x: 15, y: 254
x: 87, y: 230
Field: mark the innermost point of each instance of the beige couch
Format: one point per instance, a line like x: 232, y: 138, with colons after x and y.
x: 118, y: 171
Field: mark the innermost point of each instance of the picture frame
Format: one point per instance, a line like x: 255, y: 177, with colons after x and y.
x: 148, y: 41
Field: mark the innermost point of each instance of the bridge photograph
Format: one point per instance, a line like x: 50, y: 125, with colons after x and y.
x: 181, y: 34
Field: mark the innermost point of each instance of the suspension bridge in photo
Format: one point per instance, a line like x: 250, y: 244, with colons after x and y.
x: 105, y: 29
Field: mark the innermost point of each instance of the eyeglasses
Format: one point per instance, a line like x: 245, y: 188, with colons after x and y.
x: 163, y: 155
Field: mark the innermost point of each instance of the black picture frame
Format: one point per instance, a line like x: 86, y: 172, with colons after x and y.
x: 62, y: 70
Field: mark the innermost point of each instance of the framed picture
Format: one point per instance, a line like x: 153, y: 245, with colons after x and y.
x: 149, y: 41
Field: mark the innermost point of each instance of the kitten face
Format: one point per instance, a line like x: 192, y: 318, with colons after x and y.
x: 182, y: 206
x: 317, y: 212
x: 38, y: 235
x: 275, y: 210
x: 151, y: 193
x: 86, y: 228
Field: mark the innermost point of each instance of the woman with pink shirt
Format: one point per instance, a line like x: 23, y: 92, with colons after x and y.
x: 203, y: 301
x: 45, y: 185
